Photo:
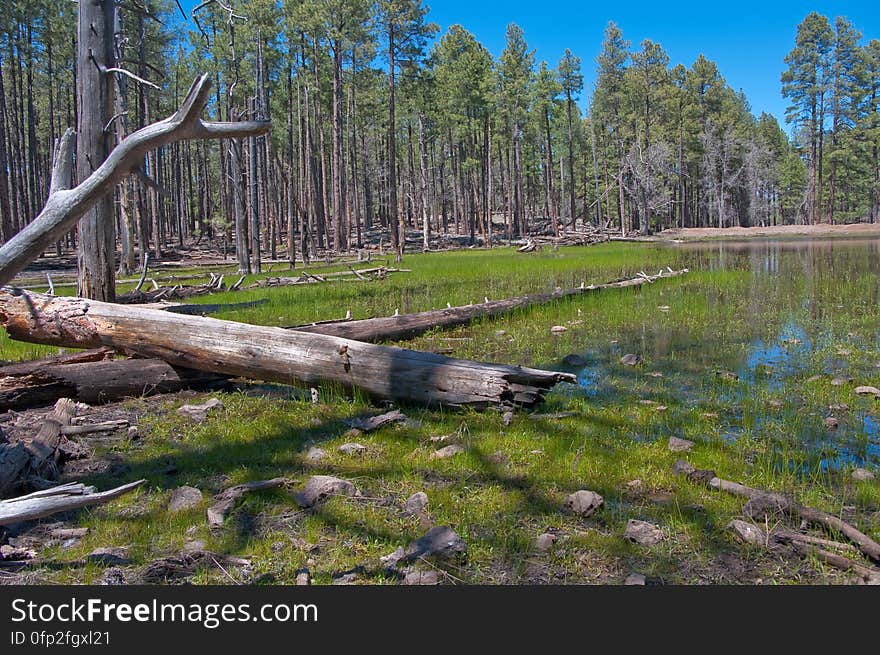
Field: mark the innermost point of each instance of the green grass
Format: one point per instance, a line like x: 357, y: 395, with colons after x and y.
x: 765, y: 429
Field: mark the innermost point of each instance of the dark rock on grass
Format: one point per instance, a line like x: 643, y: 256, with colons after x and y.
x: 748, y: 532
x: 631, y: 359
x: 574, y: 360
x: 109, y: 556
x: 642, y: 532
x: 678, y: 445
x: 321, y: 487
x: 200, y: 412
x: 184, y: 498
x: 583, y: 503
x: 415, y: 577
x: 701, y: 476
x: 440, y: 542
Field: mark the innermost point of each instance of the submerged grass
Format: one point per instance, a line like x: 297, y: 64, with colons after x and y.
x: 746, y: 356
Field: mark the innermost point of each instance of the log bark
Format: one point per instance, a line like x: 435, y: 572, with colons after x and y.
x: 393, y: 328
x: 93, y: 382
x: 272, y: 354
x: 62, y: 498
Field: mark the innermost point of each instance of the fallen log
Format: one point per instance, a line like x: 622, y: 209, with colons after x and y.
x: 205, y: 308
x: 41, y: 383
x: 357, y: 275
x: 272, y: 354
x: 62, y: 498
x: 226, y: 499
x: 392, y: 328
x: 34, y: 365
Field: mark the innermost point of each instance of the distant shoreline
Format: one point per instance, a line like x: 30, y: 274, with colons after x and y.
x: 783, y: 231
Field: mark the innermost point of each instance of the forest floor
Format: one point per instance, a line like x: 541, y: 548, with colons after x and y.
x: 821, y: 230
x: 501, y: 482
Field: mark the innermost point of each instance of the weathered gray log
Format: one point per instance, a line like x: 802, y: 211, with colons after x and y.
x: 62, y: 498
x: 14, y: 457
x: 272, y: 354
x: 94, y: 382
x: 44, y: 447
x: 65, y: 206
x: 392, y: 328
x: 226, y: 499
x: 34, y: 365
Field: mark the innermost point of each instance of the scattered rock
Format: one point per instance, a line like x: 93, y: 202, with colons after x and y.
x: 110, y: 556
x: 682, y: 467
x: 635, y: 487
x: 867, y: 391
x: 663, y: 308
x: 831, y: 423
x: 631, y: 359
x: 113, y: 576
x: 314, y: 455
x: 500, y: 333
x: 660, y: 408
x: 447, y: 451
x: 701, y: 476
x: 635, y: 579
x: 321, y: 487
x: 860, y: 475
x: 133, y: 433
x: 184, y: 498
x: 839, y: 382
x: 507, y: 418
x: 421, y: 578
x: 678, y: 445
x: 544, y: 542
x: 583, y: 502
x: 439, y: 542
x: 558, y: 329
x: 417, y: 503
x: 643, y: 532
x: 727, y: 375
x: 498, y: 458
x: 200, y: 412
x: 352, y: 448
x: 775, y: 404
x: 303, y: 577
x: 654, y: 374
x: 748, y: 532
x: 574, y: 360
x: 346, y: 577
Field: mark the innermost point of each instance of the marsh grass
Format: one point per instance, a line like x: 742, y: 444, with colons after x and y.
x: 781, y: 320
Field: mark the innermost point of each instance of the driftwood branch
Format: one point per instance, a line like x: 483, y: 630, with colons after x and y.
x: 62, y: 498
x: 65, y: 206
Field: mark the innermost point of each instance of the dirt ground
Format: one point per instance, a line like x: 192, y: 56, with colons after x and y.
x: 818, y: 230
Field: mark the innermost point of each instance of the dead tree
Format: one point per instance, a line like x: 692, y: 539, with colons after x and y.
x: 66, y: 205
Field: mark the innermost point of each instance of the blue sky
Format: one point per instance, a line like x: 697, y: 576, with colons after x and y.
x: 748, y: 40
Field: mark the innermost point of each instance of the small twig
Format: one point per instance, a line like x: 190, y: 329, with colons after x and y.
x: 51, y: 291
x: 228, y: 575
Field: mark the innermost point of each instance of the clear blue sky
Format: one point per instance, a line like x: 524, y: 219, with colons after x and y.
x: 747, y: 39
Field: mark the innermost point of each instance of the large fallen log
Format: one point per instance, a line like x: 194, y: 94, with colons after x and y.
x: 272, y: 354
x: 62, y: 498
x: 37, y: 384
x: 392, y: 328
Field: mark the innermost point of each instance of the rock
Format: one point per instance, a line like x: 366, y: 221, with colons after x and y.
x: 303, y: 577
x: 352, y: 448
x: 635, y: 579
x: 194, y: 546
x: 440, y: 542
x: 391, y: 559
x: 574, y: 360
x: 631, y: 359
x: 447, y: 451
x: 765, y: 505
x: 110, y: 556
x: 500, y: 333
x: 727, y: 375
x: 133, y: 433
x: 321, y: 487
x: 544, y: 542
x: 14, y: 553
x: 497, y: 458
x: 421, y: 578
x: 860, y: 475
x: 69, y: 533
x: 839, y: 382
x: 814, y: 378
x: 507, y: 418
x: 635, y: 487
x: 663, y: 308
x: 314, y: 455
x: 681, y: 467
x: 642, y: 532
x: 558, y: 329
x: 775, y: 404
x: 748, y: 532
x: 701, y: 476
x: 184, y: 498
x: 867, y: 391
x: 200, y: 412
x: 417, y: 503
x: 583, y: 502
x: 654, y: 374
x: 113, y: 576
x: 678, y: 445
x: 346, y: 577
x: 831, y: 423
